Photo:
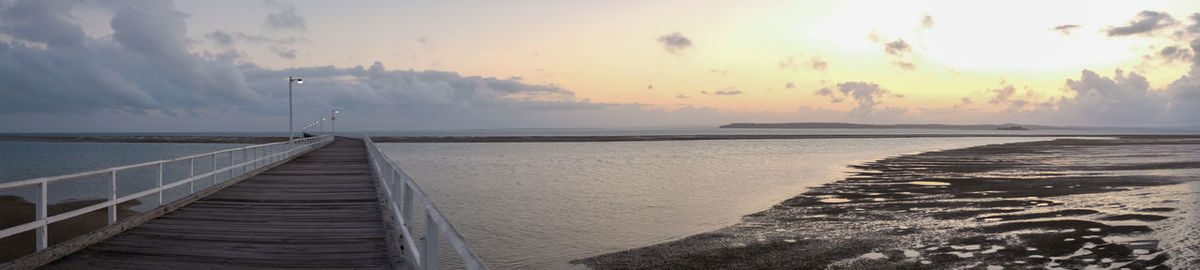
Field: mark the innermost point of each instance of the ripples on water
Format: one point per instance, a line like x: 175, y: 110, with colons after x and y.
x: 539, y: 205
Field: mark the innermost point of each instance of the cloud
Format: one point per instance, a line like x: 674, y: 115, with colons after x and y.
x: 1146, y: 22
x: 1066, y: 29
x: 818, y: 64
x: 674, y: 42
x: 286, y: 53
x: 905, y: 65
x: 681, y: 97
x: 1195, y: 27
x: 650, y: 87
x: 1002, y: 94
x: 46, y: 22
x: 285, y: 17
x: 789, y: 85
x: 727, y: 92
x: 1176, y: 53
x: 865, y: 96
x: 723, y: 72
x: 228, y: 39
x: 221, y: 38
x: 926, y: 22
x: 897, y: 47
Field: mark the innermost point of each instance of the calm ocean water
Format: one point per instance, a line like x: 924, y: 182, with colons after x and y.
x: 540, y: 205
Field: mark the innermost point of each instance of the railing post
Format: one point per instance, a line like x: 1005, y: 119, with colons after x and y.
x: 191, y: 173
x: 112, y: 197
x: 430, y: 249
x: 214, y: 170
x: 43, y: 237
x: 408, y: 199
x: 160, y: 191
x: 230, y: 165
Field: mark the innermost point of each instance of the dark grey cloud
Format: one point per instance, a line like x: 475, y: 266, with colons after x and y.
x: 40, y: 21
x: 1176, y: 53
x: 221, y: 38
x: 674, y: 42
x: 897, y: 48
x: 285, y: 17
x: 1147, y: 22
x: 1066, y: 29
x: 148, y: 67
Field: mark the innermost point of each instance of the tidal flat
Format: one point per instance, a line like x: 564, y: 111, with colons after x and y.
x: 1126, y: 202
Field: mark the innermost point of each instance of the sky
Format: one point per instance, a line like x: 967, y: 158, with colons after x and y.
x: 223, y: 65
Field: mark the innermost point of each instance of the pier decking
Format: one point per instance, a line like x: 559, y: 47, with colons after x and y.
x: 320, y: 210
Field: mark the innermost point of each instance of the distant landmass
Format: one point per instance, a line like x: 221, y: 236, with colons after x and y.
x: 815, y: 125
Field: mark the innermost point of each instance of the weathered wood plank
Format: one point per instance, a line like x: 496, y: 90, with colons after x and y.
x: 320, y: 210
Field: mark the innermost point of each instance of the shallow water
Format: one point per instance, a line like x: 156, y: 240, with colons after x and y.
x: 540, y: 205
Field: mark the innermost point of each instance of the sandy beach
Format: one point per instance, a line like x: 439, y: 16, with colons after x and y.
x: 1072, y: 203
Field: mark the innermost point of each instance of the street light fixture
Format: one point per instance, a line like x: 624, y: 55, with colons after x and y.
x: 321, y: 125
x: 291, y: 135
x: 333, y: 122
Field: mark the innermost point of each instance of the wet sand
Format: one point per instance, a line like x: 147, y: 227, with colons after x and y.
x: 1069, y: 203
x: 16, y: 211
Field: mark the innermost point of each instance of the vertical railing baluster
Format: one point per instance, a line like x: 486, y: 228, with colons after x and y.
x: 191, y: 173
x: 160, y: 190
x: 430, y: 250
x: 408, y: 199
x: 43, y: 237
x: 230, y: 166
x: 213, y: 182
x: 112, y: 197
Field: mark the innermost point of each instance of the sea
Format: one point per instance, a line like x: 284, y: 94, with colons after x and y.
x: 541, y: 205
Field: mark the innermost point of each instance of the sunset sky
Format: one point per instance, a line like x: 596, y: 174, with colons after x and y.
x: 410, y: 65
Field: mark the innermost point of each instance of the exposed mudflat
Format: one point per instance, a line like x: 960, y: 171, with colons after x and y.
x: 1067, y: 203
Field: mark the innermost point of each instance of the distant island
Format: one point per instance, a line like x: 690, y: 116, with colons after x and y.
x: 817, y: 125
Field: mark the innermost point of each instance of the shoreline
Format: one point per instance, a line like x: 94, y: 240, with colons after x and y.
x: 521, y: 139
x: 1030, y: 204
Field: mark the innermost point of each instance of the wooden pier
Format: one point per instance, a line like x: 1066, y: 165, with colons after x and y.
x: 320, y: 210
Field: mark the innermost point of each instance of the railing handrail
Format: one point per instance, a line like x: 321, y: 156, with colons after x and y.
x: 66, y: 177
x: 435, y: 221
x: 272, y: 152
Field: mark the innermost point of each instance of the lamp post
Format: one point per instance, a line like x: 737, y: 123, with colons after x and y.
x: 291, y: 135
x: 333, y: 122
x: 321, y: 124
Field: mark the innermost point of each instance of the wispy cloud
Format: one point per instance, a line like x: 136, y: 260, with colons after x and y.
x: 1066, y: 29
x: 1147, y: 22
x: 285, y: 17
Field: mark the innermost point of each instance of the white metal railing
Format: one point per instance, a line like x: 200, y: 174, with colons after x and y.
x: 436, y: 225
x: 252, y: 157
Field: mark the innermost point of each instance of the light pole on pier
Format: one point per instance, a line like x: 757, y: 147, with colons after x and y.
x: 321, y: 124
x: 291, y: 135
x: 333, y: 122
